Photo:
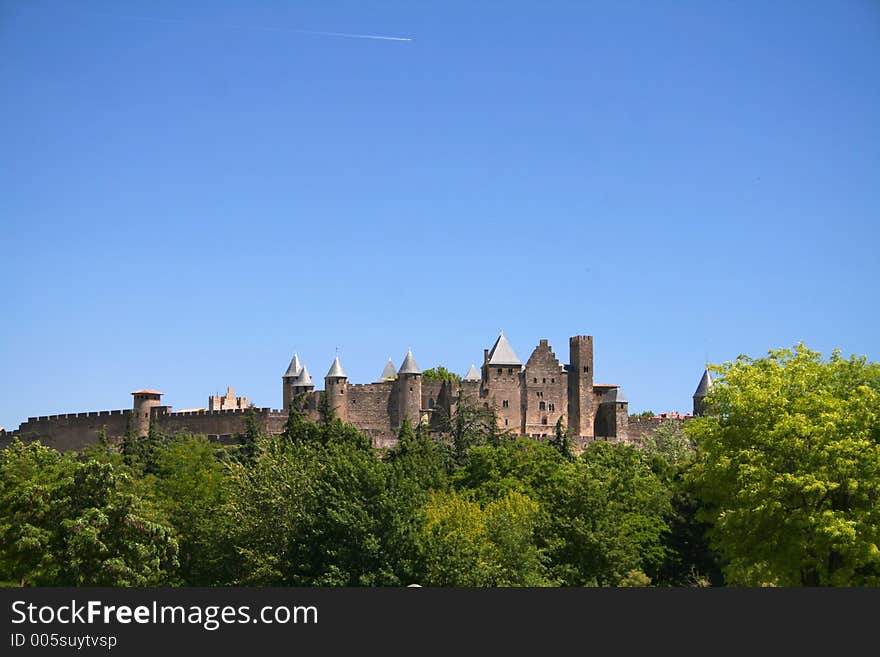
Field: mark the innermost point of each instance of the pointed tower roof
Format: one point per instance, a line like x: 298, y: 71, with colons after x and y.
x: 409, y: 365
x: 304, y: 378
x: 705, y: 383
x: 336, y: 370
x: 294, y: 368
x: 472, y: 374
x: 389, y: 373
x: 502, y: 353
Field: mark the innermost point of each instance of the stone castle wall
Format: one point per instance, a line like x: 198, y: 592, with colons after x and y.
x: 528, y: 400
x: 72, y: 431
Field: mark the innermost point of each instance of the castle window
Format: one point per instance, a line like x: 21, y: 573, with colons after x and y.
x: 535, y: 380
x: 505, y: 422
x: 430, y: 403
x: 542, y: 406
x: 500, y: 371
x: 586, y: 369
x: 505, y: 403
x: 510, y: 370
x: 543, y: 420
x: 552, y: 380
x: 543, y: 380
x: 551, y: 407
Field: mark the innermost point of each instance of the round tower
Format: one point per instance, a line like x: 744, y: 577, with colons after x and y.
x: 296, y: 381
x: 701, y: 392
x: 144, y: 402
x: 409, y: 391
x: 336, y: 389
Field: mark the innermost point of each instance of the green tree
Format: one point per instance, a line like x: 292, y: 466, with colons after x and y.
x: 609, y: 518
x: 670, y: 442
x: 109, y: 536
x: 69, y: 523
x: 30, y: 479
x: 466, y: 545
x: 468, y: 425
x: 440, y: 373
x: 561, y: 442
x: 788, y: 469
x: 190, y: 489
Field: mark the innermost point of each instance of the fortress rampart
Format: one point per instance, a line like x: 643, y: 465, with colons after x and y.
x: 527, y: 400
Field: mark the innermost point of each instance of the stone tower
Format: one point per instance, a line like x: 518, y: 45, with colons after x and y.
x: 144, y: 402
x: 502, y: 381
x: 336, y: 389
x: 296, y: 381
x: 612, y: 416
x: 409, y: 391
x: 580, y: 386
x: 701, y: 392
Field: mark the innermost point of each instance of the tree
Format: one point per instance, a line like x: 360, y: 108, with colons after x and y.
x: 560, y: 441
x: 108, y: 536
x: 468, y: 426
x: 69, y: 523
x: 669, y: 442
x: 466, y: 545
x: 788, y: 469
x: 440, y: 373
x: 30, y: 478
x: 609, y: 518
x: 190, y: 489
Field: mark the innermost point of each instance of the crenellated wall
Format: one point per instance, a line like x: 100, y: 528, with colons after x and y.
x: 371, y: 407
x: 73, y: 431
x: 528, y: 400
x: 231, y: 421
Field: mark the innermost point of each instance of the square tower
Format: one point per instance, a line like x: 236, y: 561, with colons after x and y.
x: 580, y: 386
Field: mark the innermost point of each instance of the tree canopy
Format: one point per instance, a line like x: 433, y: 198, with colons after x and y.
x: 788, y: 469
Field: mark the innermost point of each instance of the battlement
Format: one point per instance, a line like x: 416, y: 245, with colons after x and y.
x: 377, y: 384
x: 226, y: 411
x: 72, y: 416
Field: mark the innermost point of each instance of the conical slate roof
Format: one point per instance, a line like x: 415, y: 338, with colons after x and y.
x: 472, y: 374
x: 409, y: 365
x: 336, y: 370
x: 294, y: 368
x: 502, y: 353
x: 705, y: 383
x: 614, y: 396
x: 304, y: 378
x: 389, y: 373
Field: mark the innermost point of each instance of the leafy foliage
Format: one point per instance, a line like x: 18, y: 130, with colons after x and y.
x: 440, y: 373
x: 779, y: 484
x: 788, y: 467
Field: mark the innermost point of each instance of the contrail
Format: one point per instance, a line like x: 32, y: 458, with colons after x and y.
x: 264, y: 28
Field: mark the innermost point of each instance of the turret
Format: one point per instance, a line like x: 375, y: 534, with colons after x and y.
x: 409, y: 391
x: 389, y: 373
x: 701, y: 392
x: 295, y: 381
x: 144, y: 402
x: 580, y: 385
x: 612, y: 416
x: 336, y: 389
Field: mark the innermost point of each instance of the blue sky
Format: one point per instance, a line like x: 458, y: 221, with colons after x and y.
x: 187, y: 197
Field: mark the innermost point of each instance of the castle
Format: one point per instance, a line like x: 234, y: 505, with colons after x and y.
x: 527, y: 400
